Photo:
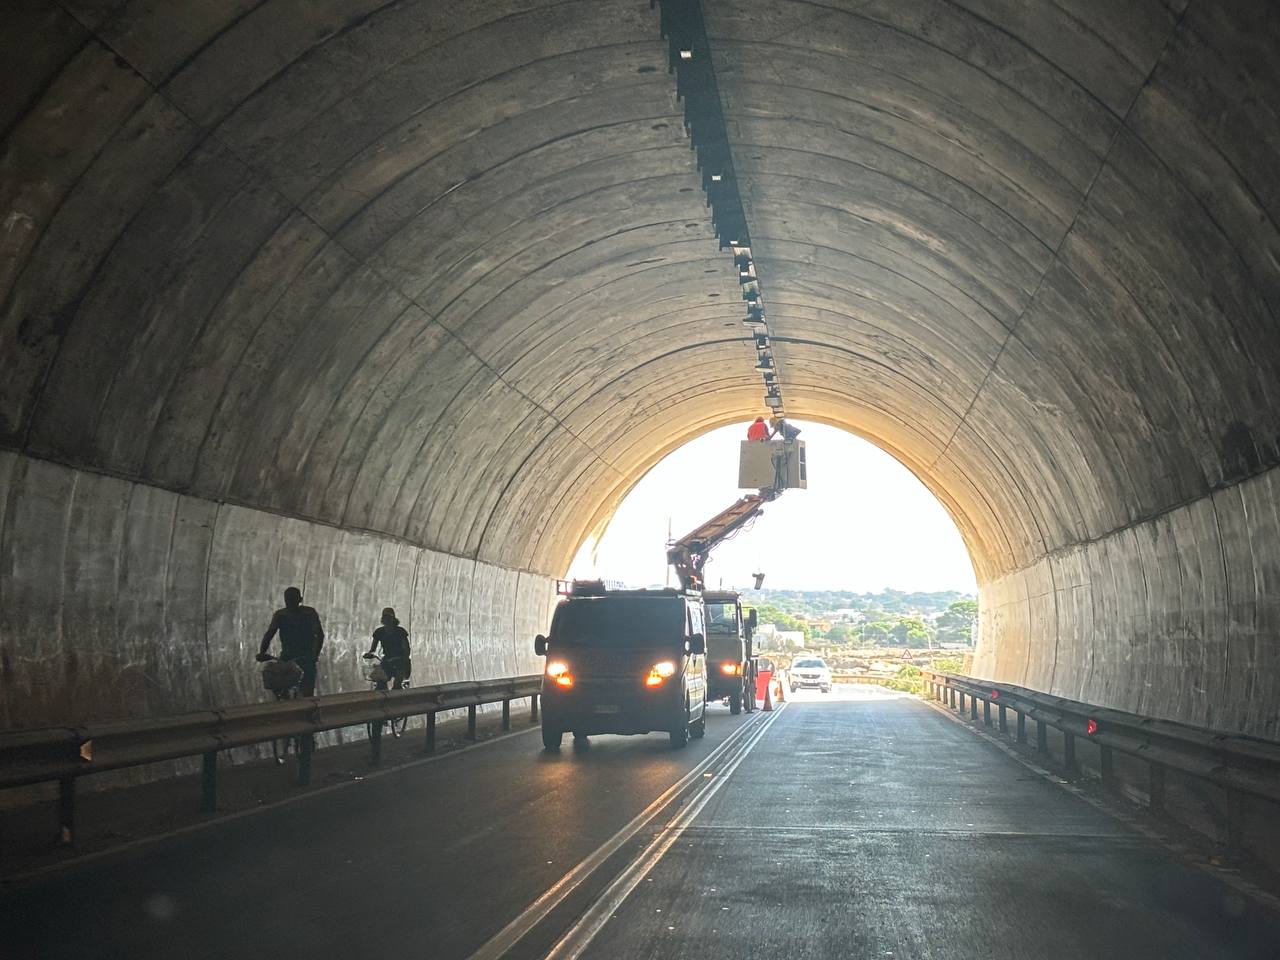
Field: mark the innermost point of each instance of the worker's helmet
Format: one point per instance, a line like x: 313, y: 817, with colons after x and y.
x: 389, y: 615
x: 773, y: 421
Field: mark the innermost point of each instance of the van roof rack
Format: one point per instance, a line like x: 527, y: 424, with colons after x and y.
x: 602, y: 588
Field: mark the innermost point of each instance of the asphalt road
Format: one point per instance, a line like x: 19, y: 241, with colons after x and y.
x: 853, y: 825
x: 425, y: 862
x: 877, y: 828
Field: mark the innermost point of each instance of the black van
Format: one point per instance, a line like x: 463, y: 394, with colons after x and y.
x: 624, y: 661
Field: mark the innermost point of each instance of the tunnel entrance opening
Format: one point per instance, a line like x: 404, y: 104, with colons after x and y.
x: 866, y: 557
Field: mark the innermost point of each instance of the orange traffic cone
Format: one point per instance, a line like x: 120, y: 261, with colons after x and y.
x: 768, y: 697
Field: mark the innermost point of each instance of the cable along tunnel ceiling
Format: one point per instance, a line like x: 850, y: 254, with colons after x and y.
x: 446, y: 271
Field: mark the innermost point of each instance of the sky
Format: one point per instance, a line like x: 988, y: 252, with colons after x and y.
x: 864, y: 523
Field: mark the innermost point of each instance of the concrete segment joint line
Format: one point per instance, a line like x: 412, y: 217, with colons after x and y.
x: 574, y: 943
x: 506, y: 938
x: 1066, y: 234
x: 213, y: 134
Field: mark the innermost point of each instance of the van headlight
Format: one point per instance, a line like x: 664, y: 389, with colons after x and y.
x: 558, y: 671
x: 659, y: 672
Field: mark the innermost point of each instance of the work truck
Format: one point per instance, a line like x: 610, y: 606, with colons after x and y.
x: 770, y: 467
x: 730, y: 660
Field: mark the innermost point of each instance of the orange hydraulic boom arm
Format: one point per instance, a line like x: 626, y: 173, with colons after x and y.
x: 689, y: 553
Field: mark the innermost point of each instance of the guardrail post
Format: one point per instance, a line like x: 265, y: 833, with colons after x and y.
x: 431, y: 732
x: 1069, y: 751
x: 1155, y: 787
x: 1004, y: 721
x: 375, y: 742
x: 1106, y: 765
x: 307, y: 746
x: 471, y: 722
x: 973, y: 708
x: 951, y: 697
x: 1022, y: 726
x: 67, y: 811
x: 506, y: 714
x: 1042, y: 738
x: 209, y: 782
x: 533, y: 709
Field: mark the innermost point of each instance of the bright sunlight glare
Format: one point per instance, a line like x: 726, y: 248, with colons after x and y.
x: 865, y: 522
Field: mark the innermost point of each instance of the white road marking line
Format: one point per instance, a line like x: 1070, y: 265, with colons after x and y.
x: 537, y: 911
x: 579, y: 937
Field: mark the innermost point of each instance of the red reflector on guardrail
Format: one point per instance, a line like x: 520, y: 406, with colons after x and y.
x: 1091, y: 726
x: 995, y: 694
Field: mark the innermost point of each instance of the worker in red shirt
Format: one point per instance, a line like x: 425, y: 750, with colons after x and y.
x: 758, y: 430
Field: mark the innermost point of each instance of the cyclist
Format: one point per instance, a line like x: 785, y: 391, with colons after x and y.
x: 395, y: 648
x: 301, y: 637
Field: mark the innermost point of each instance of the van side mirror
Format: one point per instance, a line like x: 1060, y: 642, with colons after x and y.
x: 540, y: 645
x: 697, y: 643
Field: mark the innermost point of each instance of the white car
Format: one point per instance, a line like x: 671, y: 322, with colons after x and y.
x: 810, y: 672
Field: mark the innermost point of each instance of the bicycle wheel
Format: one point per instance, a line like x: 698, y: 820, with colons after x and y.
x: 399, y: 724
x: 280, y: 748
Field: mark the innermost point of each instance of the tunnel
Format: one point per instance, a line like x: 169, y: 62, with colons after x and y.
x: 397, y: 300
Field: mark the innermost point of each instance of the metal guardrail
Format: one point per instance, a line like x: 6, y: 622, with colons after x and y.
x: 64, y: 754
x: 1238, y: 764
x: 863, y: 679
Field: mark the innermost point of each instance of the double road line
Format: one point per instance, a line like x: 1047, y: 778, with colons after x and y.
x: 680, y: 804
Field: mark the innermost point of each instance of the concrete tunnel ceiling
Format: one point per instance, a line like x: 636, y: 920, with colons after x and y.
x: 447, y: 272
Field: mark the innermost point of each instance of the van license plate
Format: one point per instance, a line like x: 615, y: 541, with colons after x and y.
x: 608, y: 708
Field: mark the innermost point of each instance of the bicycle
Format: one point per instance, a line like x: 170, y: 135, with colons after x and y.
x: 284, y: 679
x: 380, y: 677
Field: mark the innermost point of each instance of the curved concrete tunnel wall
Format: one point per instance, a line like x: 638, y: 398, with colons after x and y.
x: 436, y: 280
x: 132, y: 600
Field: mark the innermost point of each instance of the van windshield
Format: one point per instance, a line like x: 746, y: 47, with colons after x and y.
x: 619, y: 622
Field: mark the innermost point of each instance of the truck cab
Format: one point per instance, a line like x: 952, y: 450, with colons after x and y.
x: 730, y: 671
x: 625, y: 662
